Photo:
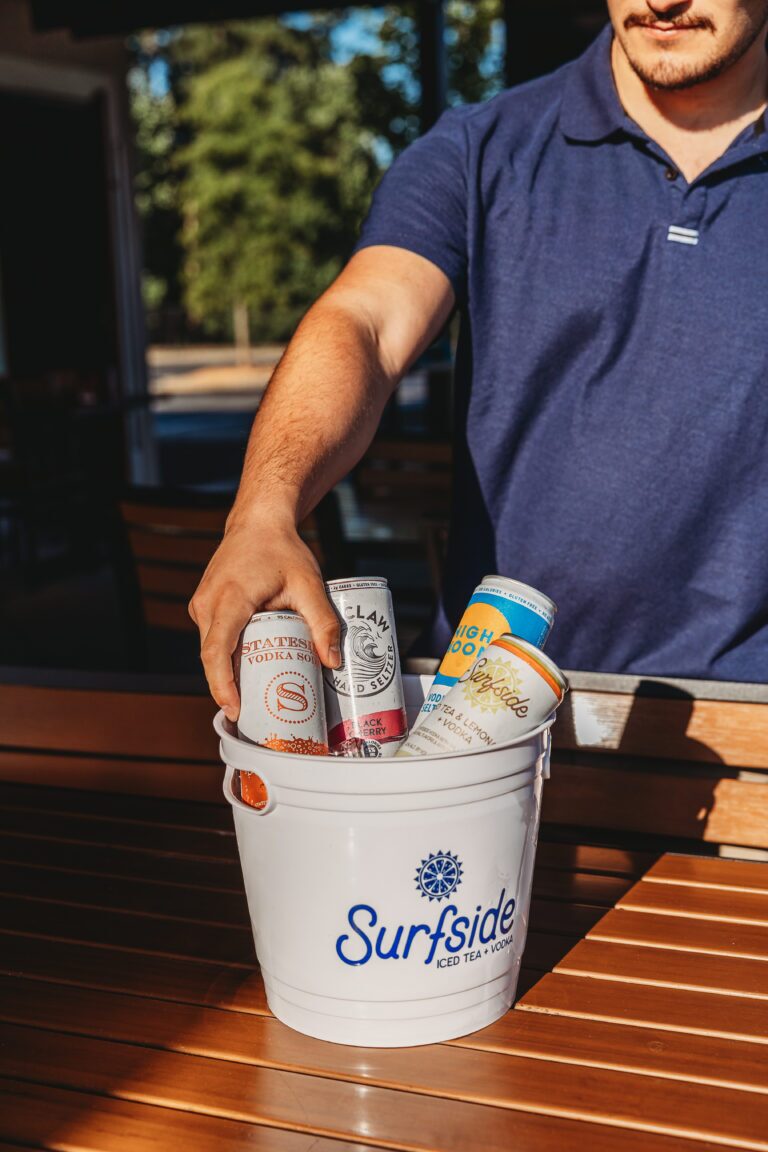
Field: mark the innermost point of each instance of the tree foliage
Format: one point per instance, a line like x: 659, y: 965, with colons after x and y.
x: 387, y: 78
x: 259, y: 148
x: 277, y: 174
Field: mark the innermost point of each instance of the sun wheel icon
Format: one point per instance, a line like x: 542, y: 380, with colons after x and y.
x: 439, y: 875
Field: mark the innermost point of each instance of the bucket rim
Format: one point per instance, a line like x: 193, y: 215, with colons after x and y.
x: 226, y: 730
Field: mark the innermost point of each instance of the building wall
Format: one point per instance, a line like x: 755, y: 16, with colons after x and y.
x: 55, y: 64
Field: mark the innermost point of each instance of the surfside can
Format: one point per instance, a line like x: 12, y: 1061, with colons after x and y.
x: 497, y: 605
x: 509, y: 690
x: 364, y: 697
x: 282, y: 704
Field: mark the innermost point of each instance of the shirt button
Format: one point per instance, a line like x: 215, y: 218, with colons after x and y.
x: 671, y: 173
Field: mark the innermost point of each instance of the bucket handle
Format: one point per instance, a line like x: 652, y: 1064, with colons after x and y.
x: 236, y: 802
x: 546, y: 740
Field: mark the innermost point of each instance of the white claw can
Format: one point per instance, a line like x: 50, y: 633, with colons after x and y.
x: 364, y: 697
x: 282, y: 704
x: 509, y: 690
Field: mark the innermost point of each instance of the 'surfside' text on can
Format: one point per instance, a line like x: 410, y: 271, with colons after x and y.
x: 509, y: 690
x: 497, y: 605
x: 364, y: 697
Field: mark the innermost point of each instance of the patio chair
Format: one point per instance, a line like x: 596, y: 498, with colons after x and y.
x: 167, y: 538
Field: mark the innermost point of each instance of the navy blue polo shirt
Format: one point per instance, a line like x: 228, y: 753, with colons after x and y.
x: 612, y: 371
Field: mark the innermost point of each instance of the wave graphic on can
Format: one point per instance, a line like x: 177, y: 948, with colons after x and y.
x: 366, y: 661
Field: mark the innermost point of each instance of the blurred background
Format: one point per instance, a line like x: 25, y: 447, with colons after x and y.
x: 180, y: 180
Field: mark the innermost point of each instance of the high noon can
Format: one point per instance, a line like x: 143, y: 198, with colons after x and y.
x: 364, y: 697
x: 497, y: 605
x: 509, y: 690
x: 281, y: 692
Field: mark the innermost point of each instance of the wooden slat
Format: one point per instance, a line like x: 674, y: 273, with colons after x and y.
x: 644, y: 1051
x: 171, y: 901
x: 167, y: 614
x: 544, y: 949
x: 715, y: 731
x: 563, y: 919
x: 718, y: 811
x: 108, y: 723
x: 734, y: 875
x: 207, y: 521
x: 216, y: 843
x: 593, y: 858
x: 178, y: 582
x: 102, y: 806
x: 128, y: 863
x: 220, y: 984
x: 189, y: 551
x: 130, y: 930
x: 714, y: 937
x: 667, y: 968
x: 99, y: 1123
x: 579, y: 887
x: 731, y: 1017
x: 161, y: 778
x: 605, y: 1045
x: 408, y: 1120
x: 749, y: 907
x: 39, y: 1115
x: 228, y: 982
x: 474, y: 1069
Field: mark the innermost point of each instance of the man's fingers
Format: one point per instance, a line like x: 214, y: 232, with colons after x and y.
x: 322, y: 621
x: 216, y: 652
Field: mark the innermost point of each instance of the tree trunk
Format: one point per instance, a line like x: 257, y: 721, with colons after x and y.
x: 242, y: 332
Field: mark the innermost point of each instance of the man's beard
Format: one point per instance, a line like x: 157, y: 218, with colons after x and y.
x: 670, y: 75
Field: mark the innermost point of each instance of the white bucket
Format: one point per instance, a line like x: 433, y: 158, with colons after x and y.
x: 389, y: 899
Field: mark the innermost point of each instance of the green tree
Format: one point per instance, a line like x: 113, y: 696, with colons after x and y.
x: 276, y: 174
x: 387, y: 78
x: 156, y: 180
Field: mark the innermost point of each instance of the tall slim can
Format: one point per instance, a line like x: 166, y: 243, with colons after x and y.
x: 282, y: 704
x: 496, y: 606
x: 364, y: 697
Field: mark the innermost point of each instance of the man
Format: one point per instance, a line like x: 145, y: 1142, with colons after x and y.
x: 604, y: 232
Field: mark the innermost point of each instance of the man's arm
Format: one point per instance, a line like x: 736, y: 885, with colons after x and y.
x: 318, y: 416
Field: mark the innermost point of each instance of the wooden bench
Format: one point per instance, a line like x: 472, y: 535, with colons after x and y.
x: 133, y: 1016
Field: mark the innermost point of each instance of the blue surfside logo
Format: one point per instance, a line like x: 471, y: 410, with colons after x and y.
x: 442, y: 943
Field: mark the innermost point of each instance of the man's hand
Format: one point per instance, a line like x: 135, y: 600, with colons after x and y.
x: 259, y: 566
x: 317, y: 418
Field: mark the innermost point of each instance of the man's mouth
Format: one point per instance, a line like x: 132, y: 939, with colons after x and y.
x: 668, y: 29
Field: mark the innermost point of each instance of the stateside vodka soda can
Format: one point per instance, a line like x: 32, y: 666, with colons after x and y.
x: 509, y: 690
x: 497, y: 605
x: 364, y: 697
x: 281, y: 692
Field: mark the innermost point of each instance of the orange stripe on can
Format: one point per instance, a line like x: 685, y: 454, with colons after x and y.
x: 531, y: 660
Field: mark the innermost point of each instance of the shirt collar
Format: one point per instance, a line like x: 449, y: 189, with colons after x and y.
x: 591, y: 109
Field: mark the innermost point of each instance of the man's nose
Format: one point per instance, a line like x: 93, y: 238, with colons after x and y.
x: 669, y: 9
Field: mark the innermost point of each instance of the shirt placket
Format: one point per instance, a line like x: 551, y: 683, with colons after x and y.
x: 684, y: 225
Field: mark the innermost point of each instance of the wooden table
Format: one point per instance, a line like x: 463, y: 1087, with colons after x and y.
x: 133, y: 1017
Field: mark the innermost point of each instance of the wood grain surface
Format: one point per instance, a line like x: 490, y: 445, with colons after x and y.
x: 714, y: 731
x: 695, y: 806
x: 133, y: 1017
x: 689, y: 934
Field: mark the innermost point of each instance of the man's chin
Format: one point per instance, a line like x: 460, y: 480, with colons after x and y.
x: 673, y: 72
